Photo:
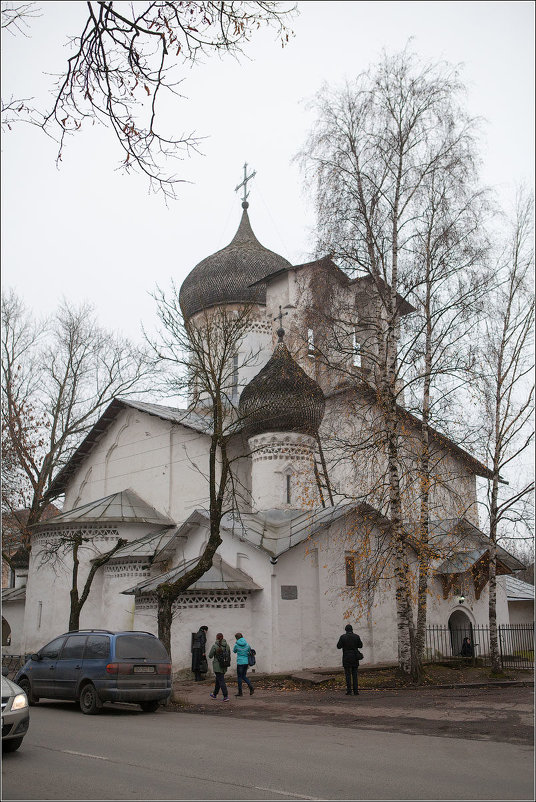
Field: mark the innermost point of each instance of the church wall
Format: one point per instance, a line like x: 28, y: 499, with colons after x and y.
x: 47, y: 592
x: 374, y: 618
x: 153, y: 457
x: 13, y: 612
x: 521, y: 612
x: 253, y: 352
x: 241, y: 467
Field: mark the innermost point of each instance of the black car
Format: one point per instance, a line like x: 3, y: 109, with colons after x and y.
x: 95, y: 666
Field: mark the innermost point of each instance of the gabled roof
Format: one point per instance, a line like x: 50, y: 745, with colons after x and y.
x: 278, y: 531
x: 273, y: 531
x: 166, y: 549
x: 462, y: 561
x: 476, y: 466
x: 124, y: 507
x: 180, y: 416
x: 146, y: 546
x: 13, y: 594
x: 220, y: 576
x: 516, y: 590
x: 327, y: 263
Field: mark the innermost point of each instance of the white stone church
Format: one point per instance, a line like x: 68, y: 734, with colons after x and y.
x: 286, y: 571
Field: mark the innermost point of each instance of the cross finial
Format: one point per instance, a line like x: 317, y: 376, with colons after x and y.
x: 281, y: 330
x: 244, y: 184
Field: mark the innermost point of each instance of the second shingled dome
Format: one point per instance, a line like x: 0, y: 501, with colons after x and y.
x: 282, y: 398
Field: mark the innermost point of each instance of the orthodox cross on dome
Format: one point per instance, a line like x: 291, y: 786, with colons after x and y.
x: 244, y: 184
x: 281, y: 330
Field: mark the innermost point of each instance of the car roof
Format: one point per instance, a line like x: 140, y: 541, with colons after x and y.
x: 106, y: 632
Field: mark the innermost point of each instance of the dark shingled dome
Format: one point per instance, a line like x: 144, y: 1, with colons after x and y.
x: 224, y: 277
x: 282, y: 398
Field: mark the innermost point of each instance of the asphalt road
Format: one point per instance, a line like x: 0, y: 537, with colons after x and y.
x: 124, y: 754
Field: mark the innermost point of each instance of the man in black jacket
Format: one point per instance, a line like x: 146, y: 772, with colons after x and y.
x: 350, y: 643
x: 198, y: 649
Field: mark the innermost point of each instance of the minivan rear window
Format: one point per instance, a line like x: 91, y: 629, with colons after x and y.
x: 137, y: 647
x: 98, y: 647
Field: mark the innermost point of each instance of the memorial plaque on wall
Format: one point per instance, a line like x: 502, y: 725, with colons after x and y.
x: 289, y: 592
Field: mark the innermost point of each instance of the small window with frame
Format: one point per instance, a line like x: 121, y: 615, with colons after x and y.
x: 311, y: 343
x: 349, y: 564
x: 356, y: 355
x: 234, y: 389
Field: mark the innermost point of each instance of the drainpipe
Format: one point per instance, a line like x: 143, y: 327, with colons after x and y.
x: 275, y: 614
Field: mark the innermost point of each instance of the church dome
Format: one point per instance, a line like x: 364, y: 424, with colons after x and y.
x: 226, y: 276
x: 282, y: 398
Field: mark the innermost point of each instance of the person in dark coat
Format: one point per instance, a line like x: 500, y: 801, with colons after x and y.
x: 467, y: 648
x: 218, y: 650
x: 199, y: 647
x: 350, y: 643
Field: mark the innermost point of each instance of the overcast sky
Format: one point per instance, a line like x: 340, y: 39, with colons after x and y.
x: 87, y: 232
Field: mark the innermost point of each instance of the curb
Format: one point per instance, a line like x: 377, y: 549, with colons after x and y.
x: 512, y: 683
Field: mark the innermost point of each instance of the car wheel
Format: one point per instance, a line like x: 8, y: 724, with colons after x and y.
x: 11, y: 744
x: 27, y: 688
x: 149, y: 707
x: 88, y: 700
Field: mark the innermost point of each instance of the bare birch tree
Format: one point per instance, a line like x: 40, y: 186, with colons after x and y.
x: 504, y: 389
x: 449, y: 285
x: 56, y: 378
x: 370, y: 156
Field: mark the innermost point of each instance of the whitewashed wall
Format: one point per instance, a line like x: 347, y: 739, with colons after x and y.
x: 13, y: 612
x: 155, y: 458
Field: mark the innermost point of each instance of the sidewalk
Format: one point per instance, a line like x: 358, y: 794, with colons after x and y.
x: 377, y: 679
x: 499, y: 710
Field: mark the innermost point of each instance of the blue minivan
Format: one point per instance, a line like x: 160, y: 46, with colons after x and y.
x: 94, y: 666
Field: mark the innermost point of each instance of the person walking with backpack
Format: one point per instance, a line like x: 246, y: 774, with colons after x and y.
x: 220, y: 654
x: 350, y: 643
x: 242, y: 650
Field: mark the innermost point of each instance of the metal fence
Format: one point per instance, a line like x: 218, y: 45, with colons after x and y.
x: 516, y: 645
x: 13, y: 662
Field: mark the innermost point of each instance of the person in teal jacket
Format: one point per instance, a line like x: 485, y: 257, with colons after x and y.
x: 241, y: 649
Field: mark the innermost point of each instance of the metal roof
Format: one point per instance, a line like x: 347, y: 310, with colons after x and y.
x: 516, y: 590
x: 220, y: 576
x: 460, y: 562
x: 124, y: 507
x: 277, y: 531
x: 13, y: 594
x: 146, y: 546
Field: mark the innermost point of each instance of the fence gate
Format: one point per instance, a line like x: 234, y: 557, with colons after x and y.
x: 516, y: 645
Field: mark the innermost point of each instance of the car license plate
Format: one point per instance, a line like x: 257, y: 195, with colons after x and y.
x: 144, y: 669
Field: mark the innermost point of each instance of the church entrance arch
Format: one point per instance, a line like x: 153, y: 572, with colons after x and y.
x: 460, y: 627
x: 6, y: 633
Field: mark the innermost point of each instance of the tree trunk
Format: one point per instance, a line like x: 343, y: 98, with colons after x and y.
x: 74, y: 612
x: 425, y: 480
x: 74, y: 615
x: 165, y: 617
x: 493, y: 635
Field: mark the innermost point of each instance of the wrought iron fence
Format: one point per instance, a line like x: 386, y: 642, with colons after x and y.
x: 516, y: 645
x: 13, y: 662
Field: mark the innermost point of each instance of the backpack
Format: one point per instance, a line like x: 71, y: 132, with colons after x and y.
x: 251, y: 657
x: 224, y: 656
